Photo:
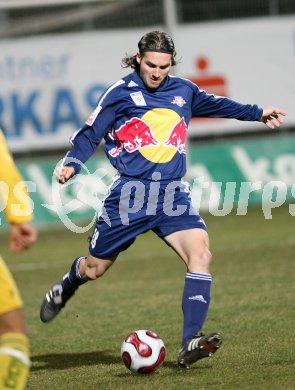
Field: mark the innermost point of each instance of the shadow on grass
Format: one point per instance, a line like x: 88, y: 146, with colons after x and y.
x: 60, y: 361
x: 176, y: 371
x: 174, y: 365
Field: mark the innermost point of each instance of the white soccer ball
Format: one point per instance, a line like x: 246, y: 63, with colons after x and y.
x: 143, y: 351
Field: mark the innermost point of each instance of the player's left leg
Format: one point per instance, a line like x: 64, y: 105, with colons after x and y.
x: 192, y: 245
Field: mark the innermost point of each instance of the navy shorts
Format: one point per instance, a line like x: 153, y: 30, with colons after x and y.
x: 132, y: 207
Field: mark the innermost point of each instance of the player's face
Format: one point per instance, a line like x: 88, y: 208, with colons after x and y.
x: 153, y: 67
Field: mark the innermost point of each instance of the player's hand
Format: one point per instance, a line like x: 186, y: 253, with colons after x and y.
x: 271, y: 117
x: 22, y: 236
x: 63, y: 174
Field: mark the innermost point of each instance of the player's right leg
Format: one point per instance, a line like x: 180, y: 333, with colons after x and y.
x: 105, y: 245
x: 14, y: 343
x: 82, y: 270
x: 111, y: 236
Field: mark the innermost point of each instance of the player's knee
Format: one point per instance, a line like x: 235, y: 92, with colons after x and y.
x: 205, y: 257
x: 200, y: 262
x: 208, y: 256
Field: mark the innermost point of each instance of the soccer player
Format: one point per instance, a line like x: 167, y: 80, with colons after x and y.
x: 14, y: 342
x: 143, y: 119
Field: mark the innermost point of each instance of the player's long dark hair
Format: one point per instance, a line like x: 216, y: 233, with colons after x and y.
x: 154, y: 40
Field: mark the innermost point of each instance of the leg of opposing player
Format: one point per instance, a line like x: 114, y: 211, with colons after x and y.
x: 193, y: 247
x: 14, y: 360
x: 14, y: 343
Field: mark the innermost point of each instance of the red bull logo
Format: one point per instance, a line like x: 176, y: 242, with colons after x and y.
x: 133, y: 135
x: 158, y: 135
x: 177, y: 136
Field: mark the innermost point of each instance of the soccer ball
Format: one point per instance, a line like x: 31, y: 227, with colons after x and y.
x: 143, y: 351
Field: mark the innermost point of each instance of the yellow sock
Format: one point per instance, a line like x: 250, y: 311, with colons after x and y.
x: 14, y: 361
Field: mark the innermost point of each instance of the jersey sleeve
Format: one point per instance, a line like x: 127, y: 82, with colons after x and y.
x: 212, y: 106
x: 15, y: 201
x: 85, y: 141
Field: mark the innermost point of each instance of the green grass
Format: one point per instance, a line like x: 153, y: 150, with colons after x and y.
x: 253, y: 305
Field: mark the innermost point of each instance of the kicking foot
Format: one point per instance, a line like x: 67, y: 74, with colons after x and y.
x: 53, y: 302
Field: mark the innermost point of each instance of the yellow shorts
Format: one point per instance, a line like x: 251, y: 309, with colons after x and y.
x: 9, y: 295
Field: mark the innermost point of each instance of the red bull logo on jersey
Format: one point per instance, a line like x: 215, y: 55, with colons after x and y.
x: 158, y: 135
x: 133, y: 135
x: 177, y: 137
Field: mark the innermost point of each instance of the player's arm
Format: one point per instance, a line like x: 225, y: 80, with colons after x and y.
x: 212, y: 106
x: 85, y: 141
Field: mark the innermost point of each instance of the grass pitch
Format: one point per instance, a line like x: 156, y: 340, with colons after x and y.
x: 252, y: 304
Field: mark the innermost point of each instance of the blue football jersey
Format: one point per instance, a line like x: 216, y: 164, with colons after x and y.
x: 145, y: 129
